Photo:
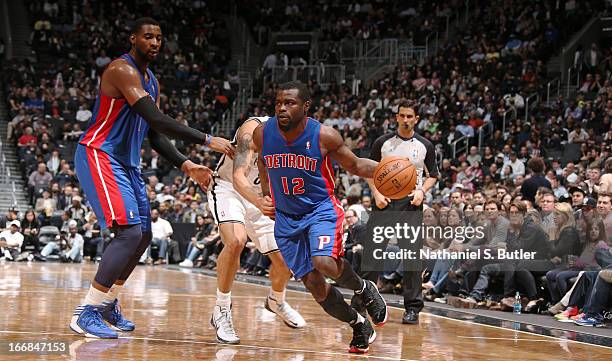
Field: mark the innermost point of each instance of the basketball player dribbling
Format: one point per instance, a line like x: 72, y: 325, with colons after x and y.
x: 107, y: 163
x: 237, y: 206
x: 297, y: 181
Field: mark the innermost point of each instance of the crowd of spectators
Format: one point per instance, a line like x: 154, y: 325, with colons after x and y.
x: 349, y: 19
x: 560, y: 154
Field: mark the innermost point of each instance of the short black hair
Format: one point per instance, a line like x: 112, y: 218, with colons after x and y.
x: 140, y: 22
x: 405, y: 103
x: 303, y: 92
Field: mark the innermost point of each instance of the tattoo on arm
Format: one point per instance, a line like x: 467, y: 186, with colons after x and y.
x: 244, y: 152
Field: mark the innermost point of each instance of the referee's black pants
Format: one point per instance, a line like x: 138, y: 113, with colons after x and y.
x: 411, y: 275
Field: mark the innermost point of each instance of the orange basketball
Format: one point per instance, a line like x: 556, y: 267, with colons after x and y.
x: 395, y: 177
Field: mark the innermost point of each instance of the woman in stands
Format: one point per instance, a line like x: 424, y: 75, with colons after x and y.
x: 576, y: 297
x: 565, y: 248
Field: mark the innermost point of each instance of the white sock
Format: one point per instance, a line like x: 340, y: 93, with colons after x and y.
x: 279, y: 297
x: 95, y: 296
x: 224, y: 299
x: 113, y: 293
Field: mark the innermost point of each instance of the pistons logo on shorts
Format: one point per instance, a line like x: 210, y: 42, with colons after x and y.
x: 323, y: 241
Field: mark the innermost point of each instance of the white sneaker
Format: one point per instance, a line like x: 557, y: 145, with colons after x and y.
x: 187, y: 263
x: 291, y: 317
x: 7, y: 255
x: 221, y: 320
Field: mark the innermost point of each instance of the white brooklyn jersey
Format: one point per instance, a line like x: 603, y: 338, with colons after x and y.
x: 225, y: 167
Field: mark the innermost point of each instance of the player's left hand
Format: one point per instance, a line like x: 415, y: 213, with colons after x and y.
x: 199, y: 173
x: 222, y: 145
x: 266, y: 206
x: 417, y: 200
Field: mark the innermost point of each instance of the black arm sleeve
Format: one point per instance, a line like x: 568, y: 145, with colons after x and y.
x: 162, y: 145
x: 163, y: 124
x: 430, y: 160
x: 375, y: 153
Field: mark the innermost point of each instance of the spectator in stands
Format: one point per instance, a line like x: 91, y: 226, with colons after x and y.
x: 28, y: 138
x: 11, y: 241
x: 604, y: 209
x: 203, y: 243
x: 95, y: 241
x: 69, y: 245
x: 598, y: 301
x: 536, y: 180
x: 45, y: 206
x: 65, y: 175
x: 77, y: 210
x: 162, y: 231
x: 565, y: 248
x: 65, y: 198
x: 192, y: 213
x: 605, y: 181
x: 39, y: 180
x: 30, y: 228
x: 496, y: 229
x: 578, y: 195
x: 545, y: 199
x: 54, y: 161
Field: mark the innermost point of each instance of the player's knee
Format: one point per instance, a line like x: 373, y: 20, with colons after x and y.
x: 316, y: 286
x: 130, y: 235
x: 234, y: 244
x: 326, y: 265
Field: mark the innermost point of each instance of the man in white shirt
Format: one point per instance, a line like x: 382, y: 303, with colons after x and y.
x: 11, y: 241
x: 71, y: 247
x: 83, y: 114
x: 162, y: 231
x: 518, y: 167
x: 578, y: 135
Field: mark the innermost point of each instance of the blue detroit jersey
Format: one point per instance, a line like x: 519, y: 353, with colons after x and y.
x: 115, y: 128
x: 300, y: 177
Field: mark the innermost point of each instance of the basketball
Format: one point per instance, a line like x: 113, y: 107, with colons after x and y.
x: 395, y: 177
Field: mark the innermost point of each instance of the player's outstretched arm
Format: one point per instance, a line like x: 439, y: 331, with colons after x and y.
x: 121, y: 79
x: 334, y: 145
x: 267, y: 206
x: 201, y: 174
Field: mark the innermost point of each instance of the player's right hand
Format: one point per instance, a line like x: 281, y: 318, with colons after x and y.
x: 266, y: 206
x: 222, y: 145
x: 381, y: 201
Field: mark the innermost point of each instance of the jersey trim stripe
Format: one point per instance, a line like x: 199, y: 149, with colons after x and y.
x: 95, y: 133
x: 328, y: 176
x: 92, y: 154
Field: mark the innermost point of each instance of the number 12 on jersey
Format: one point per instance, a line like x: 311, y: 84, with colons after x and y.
x: 297, y: 183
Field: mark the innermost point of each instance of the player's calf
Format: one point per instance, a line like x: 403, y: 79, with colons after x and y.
x: 366, y: 290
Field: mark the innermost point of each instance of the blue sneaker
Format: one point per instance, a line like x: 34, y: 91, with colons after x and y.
x: 589, y: 322
x: 112, y: 315
x: 87, y: 321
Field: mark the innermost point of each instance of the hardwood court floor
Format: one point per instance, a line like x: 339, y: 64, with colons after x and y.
x: 172, y: 309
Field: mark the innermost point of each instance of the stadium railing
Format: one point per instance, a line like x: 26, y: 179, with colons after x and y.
x: 460, y: 146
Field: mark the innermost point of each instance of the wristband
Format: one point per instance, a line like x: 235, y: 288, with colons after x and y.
x: 207, y: 139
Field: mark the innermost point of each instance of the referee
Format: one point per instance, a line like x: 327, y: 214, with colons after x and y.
x: 404, y: 142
